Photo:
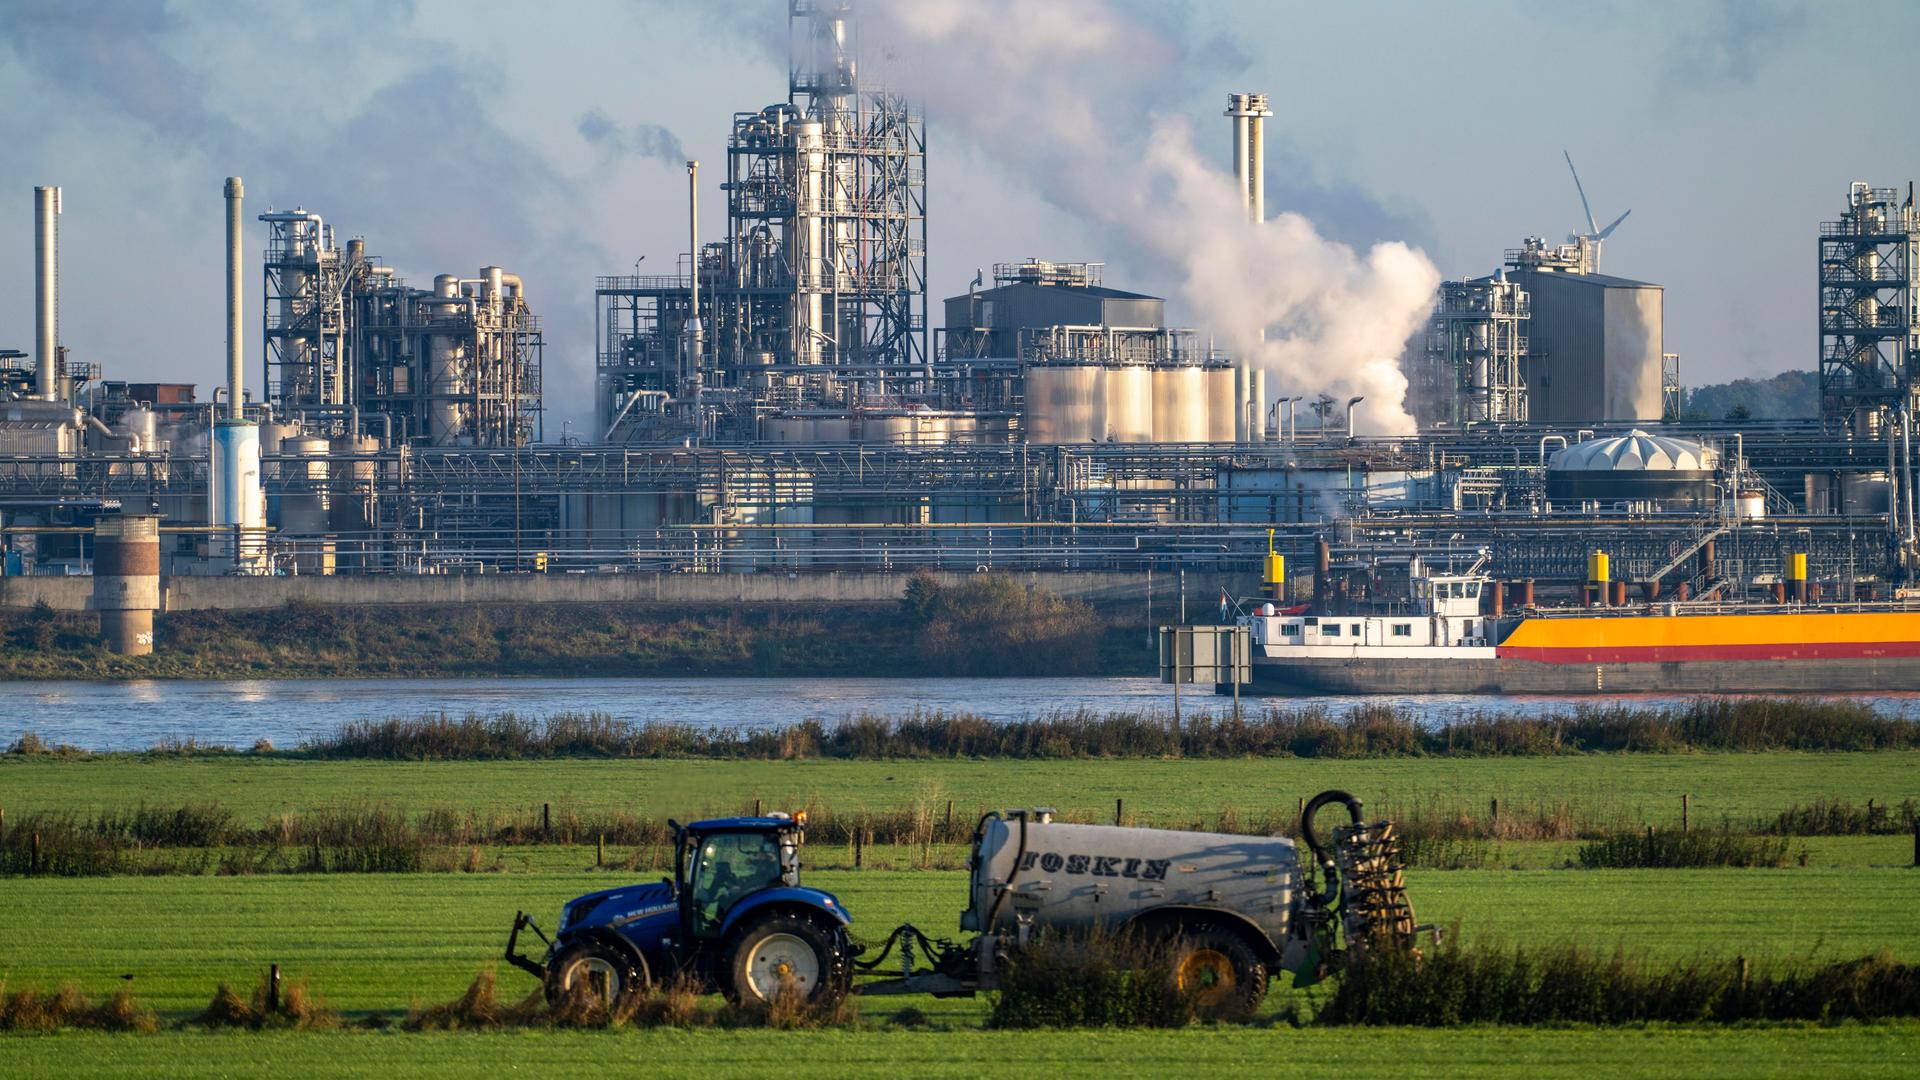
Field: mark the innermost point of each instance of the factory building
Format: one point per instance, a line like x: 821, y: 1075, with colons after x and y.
x: 1547, y: 339
x: 1596, y: 342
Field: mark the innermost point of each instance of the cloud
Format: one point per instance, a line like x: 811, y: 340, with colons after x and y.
x: 1734, y: 40
x: 641, y: 140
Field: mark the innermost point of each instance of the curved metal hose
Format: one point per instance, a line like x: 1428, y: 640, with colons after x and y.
x: 1322, y: 855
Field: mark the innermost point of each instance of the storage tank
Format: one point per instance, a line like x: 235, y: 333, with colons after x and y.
x: 1224, y: 405
x: 302, y: 501
x: 1073, y: 877
x: 1130, y: 404
x: 1065, y: 404
x: 1676, y: 473
x: 963, y: 429
x: 887, y: 429
x: 1863, y: 494
x: 833, y: 429
x: 1179, y: 405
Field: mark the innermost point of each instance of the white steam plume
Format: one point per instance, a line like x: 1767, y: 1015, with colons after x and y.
x: 1067, y: 93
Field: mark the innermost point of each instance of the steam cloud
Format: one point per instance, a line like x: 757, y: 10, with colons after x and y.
x: 1068, y: 94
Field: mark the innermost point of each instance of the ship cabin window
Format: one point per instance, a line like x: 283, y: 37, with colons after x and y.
x: 1291, y: 629
x: 1330, y: 630
x: 1401, y: 629
x: 1356, y: 629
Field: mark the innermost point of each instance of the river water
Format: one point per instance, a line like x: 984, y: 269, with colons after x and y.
x: 138, y: 715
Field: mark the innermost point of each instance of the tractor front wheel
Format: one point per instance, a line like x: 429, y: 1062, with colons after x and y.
x: 787, y: 954
x: 608, y: 973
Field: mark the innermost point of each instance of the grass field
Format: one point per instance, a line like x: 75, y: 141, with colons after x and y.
x: 1789, y: 1053
x: 1627, y: 788
x: 378, y: 943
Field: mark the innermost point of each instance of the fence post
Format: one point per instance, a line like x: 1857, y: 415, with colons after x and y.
x: 546, y: 821
x: 33, y: 855
x: 1916, y: 842
x: 1686, y: 808
x: 859, y: 835
x: 949, y: 829
x: 273, y: 988
x: 1493, y: 811
x: 756, y: 808
x: 600, y: 851
x: 1649, y: 845
x: 1119, y: 810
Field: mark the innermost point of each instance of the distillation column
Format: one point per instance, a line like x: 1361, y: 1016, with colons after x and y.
x: 234, y: 495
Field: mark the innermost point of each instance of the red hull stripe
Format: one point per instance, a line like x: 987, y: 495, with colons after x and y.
x: 1655, y: 654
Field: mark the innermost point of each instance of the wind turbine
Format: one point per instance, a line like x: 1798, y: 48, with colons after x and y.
x: 1590, y: 240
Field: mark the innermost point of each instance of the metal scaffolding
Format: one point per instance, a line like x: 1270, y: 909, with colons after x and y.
x: 817, y: 295
x: 1473, y: 368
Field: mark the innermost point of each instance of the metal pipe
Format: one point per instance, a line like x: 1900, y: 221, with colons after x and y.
x: 235, y: 395
x: 46, y: 280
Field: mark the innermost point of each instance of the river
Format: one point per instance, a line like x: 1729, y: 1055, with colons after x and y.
x: 140, y: 714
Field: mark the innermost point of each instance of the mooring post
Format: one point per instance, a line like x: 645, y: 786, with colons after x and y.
x: 273, y: 988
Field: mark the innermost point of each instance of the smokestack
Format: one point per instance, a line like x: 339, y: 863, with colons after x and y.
x: 1249, y: 111
x: 235, y: 389
x: 695, y: 346
x: 46, y: 293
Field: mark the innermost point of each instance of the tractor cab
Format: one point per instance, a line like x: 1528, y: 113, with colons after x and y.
x: 733, y: 915
x: 721, y: 862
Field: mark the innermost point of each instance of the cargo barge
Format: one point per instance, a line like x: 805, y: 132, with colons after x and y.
x: 1444, y: 644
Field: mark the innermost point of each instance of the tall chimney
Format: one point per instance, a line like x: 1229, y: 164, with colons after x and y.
x: 1248, y: 111
x: 46, y: 292
x: 235, y: 387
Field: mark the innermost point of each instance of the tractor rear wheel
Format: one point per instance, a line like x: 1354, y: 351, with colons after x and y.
x: 605, y: 971
x: 786, y: 954
x: 1219, y: 970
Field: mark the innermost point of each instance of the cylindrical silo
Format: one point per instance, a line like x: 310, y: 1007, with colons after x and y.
x: 1130, y: 404
x: 1242, y: 393
x: 1179, y: 405
x: 126, y: 580
x: 303, y: 486
x: 1066, y: 404
x: 1223, y: 405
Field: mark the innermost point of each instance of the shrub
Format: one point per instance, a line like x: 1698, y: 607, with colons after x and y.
x: 1671, y: 848
x: 1561, y: 984
x: 1097, y: 980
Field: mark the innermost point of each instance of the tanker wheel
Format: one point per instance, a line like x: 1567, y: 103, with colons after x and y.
x: 1219, y: 971
x: 606, y: 972
x: 785, y: 954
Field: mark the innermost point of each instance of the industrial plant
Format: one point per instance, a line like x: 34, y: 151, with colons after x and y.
x: 786, y: 398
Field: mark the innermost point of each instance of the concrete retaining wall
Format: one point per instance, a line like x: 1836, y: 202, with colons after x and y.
x: 243, y: 593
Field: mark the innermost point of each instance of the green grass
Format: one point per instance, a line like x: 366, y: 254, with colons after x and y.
x: 379, y: 942
x: 1388, y: 1054
x: 1624, y: 788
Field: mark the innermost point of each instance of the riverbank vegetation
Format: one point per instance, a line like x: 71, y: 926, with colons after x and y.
x: 986, y: 624
x: 1356, y: 732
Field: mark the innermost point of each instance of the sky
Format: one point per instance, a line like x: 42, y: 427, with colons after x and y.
x: 1409, y: 140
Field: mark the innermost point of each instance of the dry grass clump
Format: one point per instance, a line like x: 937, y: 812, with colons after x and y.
x: 299, y: 1009
x: 66, y: 1007
x: 675, y: 1003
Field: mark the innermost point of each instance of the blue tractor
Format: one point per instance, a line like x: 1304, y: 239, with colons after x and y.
x: 734, y: 916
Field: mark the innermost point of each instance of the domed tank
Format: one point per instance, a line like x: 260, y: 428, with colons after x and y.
x: 1677, y: 474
